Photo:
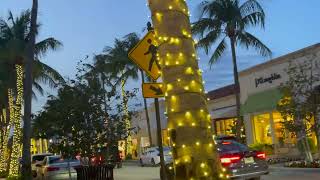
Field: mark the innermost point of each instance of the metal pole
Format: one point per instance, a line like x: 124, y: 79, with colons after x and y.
x: 159, y: 135
x: 146, y: 111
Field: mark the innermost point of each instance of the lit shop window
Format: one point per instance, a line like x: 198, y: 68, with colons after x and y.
x: 262, y: 129
x: 224, y: 127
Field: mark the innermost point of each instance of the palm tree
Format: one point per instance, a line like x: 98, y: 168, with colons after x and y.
x: 30, y: 56
x: 228, y: 19
x: 14, y: 42
x: 120, y: 68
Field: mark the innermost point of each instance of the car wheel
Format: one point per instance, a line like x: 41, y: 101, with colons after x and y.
x: 141, y: 163
x: 153, y: 163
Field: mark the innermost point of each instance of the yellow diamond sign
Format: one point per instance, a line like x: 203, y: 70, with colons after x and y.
x: 145, y: 55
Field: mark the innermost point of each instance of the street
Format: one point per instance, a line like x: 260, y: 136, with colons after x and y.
x: 134, y: 172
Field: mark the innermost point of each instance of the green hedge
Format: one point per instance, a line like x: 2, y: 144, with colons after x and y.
x: 267, y: 148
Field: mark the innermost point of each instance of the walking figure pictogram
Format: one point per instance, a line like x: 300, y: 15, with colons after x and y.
x: 153, y: 50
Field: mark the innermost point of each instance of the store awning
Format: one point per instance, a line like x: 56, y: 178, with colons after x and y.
x: 224, y: 113
x: 263, y: 101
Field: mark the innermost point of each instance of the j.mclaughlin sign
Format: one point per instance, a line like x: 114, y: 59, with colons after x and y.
x: 268, y: 79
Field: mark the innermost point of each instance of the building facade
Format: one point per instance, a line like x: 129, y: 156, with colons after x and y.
x: 259, y: 94
x: 140, y: 137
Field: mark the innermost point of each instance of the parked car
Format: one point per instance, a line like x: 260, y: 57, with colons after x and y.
x: 57, y: 168
x: 238, y: 160
x: 152, y: 156
x: 37, y: 159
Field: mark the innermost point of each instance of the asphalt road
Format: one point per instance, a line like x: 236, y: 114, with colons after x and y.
x: 134, y: 172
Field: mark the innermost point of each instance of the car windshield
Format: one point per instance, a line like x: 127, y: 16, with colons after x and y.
x: 231, y: 147
x: 38, y: 157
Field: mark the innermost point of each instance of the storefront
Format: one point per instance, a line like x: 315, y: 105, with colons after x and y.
x: 222, y: 107
x: 260, y: 96
x: 39, y: 146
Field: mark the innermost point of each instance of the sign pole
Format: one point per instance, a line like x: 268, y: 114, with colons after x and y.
x: 159, y: 136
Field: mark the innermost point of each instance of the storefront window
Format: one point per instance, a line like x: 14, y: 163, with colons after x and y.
x: 262, y: 129
x: 224, y: 127
x: 165, y: 138
x: 282, y: 135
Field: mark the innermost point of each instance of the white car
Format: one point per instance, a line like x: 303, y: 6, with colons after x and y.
x: 152, y: 156
x: 37, y: 159
x: 57, y: 168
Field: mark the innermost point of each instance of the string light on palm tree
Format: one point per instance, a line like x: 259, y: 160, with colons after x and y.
x: 193, y: 148
x: 17, y: 135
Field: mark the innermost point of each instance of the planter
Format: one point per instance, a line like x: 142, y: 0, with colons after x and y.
x: 303, y: 164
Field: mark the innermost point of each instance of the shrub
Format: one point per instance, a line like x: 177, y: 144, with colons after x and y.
x: 14, y: 177
x: 129, y: 157
x: 267, y: 148
x: 3, y: 174
x: 303, y: 164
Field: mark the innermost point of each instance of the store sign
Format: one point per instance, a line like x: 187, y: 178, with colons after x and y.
x: 268, y: 79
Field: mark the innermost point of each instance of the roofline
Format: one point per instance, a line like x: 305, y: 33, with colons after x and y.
x: 279, y: 60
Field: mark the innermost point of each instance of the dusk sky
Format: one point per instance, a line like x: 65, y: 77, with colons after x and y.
x: 86, y: 26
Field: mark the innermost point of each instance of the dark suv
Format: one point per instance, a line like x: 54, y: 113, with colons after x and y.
x: 239, y: 161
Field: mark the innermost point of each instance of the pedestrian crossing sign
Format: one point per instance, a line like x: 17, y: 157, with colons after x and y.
x: 145, y: 55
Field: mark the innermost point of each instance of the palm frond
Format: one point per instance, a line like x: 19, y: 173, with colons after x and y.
x: 204, y: 25
x: 250, y: 6
x: 47, y: 74
x: 254, y: 19
x: 209, y: 39
x: 210, y: 8
x: 252, y: 13
x: 218, y: 52
x: 38, y: 87
x: 42, y: 47
x: 250, y: 41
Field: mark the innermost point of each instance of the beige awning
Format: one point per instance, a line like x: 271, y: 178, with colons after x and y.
x: 224, y: 113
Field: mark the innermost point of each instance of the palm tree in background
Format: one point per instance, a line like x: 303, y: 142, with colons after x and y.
x: 225, y: 22
x: 15, y: 38
x: 120, y: 68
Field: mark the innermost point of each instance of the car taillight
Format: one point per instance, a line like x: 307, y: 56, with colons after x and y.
x: 227, y: 160
x: 261, y: 155
x: 52, y: 169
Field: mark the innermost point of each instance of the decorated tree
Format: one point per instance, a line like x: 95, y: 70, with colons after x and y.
x: 300, y: 103
x: 92, y: 119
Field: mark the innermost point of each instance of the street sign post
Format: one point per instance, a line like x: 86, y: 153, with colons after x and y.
x: 145, y: 55
x: 152, y: 90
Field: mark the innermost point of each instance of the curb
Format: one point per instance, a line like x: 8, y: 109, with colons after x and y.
x: 294, y: 169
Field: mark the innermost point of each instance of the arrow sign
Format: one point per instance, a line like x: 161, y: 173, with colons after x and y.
x: 152, y: 90
x: 144, y: 54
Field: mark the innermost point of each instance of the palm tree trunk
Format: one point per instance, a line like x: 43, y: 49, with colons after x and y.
x: 236, y: 89
x: 17, y: 134
x: 146, y: 111
x: 10, y: 116
x: 26, y: 155
x: 189, y: 121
